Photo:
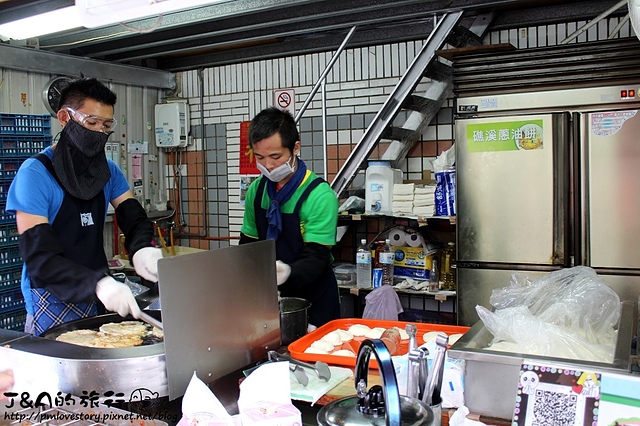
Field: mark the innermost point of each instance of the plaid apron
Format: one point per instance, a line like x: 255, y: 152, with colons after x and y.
x: 51, y: 311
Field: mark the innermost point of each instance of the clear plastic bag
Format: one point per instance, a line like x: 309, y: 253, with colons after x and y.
x: 382, y: 304
x: 570, y: 313
x: 135, y: 288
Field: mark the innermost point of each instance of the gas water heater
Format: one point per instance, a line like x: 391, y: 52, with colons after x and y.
x: 172, y: 121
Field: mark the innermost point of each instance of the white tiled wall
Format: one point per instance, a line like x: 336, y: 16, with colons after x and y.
x: 359, y: 83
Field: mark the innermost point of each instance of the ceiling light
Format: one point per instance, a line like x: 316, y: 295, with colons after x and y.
x: 98, y: 13
x: 55, y: 21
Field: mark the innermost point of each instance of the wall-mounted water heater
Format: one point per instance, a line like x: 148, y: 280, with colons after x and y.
x: 172, y: 121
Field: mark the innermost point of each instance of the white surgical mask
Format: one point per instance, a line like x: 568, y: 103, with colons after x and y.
x: 279, y: 173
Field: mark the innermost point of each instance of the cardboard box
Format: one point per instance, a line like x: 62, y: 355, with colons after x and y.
x: 411, y: 262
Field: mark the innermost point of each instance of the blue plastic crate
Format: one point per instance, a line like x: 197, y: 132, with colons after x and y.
x: 25, y: 124
x: 8, y: 235
x: 9, y: 167
x: 13, y: 320
x: 4, y: 216
x: 10, y: 277
x: 11, y: 299
x: 10, y: 256
x: 23, y: 146
x: 4, y: 191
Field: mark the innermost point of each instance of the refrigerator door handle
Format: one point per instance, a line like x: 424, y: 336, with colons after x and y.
x: 562, y: 188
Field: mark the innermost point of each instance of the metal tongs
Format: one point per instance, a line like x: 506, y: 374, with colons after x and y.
x: 299, y: 374
x: 145, y: 299
x: 418, y: 365
x: 150, y: 320
x: 321, y: 368
x: 432, y: 389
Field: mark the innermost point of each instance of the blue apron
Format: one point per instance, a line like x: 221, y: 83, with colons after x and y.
x: 323, y: 294
x: 80, y: 224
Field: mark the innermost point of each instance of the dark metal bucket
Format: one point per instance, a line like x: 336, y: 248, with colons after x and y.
x: 293, y: 319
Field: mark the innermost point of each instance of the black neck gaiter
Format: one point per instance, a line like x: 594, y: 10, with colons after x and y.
x: 80, y: 161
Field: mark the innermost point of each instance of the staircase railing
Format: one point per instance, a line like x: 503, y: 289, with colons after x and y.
x: 321, y: 83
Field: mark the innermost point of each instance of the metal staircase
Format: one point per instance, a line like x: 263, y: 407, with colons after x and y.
x: 404, y: 103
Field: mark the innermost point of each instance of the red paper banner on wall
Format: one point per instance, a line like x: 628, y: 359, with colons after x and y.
x: 247, y: 160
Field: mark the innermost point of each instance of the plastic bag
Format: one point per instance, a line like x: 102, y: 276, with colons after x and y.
x: 445, y: 174
x: 382, y: 304
x: 353, y: 203
x: 574, y: 298
x: 570, y: 313
x: 137, y: 288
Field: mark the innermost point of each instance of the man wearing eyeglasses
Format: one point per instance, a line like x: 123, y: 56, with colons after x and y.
x: 60, y: 199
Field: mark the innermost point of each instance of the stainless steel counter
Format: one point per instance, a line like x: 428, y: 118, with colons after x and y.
x: 491, y: 378
x: 49, y: 365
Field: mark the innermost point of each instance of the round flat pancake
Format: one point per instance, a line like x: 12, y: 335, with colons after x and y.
x: 79, y: 337
x: 431, y: 335
x: 345, y: 336
x: 322, y: 345
x: 375, y: 333
x: 117, y: 341
x: 332, y: 337
x: 358, y: 329
x: 312, y: 350
x: 124, y: 328
x: 454, y: 338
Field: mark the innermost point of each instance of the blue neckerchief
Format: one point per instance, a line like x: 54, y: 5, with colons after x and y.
x: 278, y: 198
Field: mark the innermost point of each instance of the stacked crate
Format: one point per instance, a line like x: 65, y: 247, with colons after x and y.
x: 21, y: 136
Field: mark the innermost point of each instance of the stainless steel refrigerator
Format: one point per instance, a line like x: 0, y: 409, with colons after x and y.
x: 547, y: 180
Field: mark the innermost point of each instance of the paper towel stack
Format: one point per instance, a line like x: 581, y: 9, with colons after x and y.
x: 413, y: 200
x: 424, y: 202
x: 402, y: 200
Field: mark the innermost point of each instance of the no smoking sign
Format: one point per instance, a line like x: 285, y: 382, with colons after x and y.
x: 285, y: 100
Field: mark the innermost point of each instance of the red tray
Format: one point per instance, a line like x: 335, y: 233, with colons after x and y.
x: 297, y: 348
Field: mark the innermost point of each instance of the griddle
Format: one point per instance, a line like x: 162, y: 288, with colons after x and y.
x: 94, y: 323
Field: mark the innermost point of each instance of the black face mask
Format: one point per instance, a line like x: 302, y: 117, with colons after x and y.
x: 80, y: 161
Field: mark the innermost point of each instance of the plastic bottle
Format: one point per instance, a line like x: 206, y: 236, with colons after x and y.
x: 386, y: 262
x: 363, y: 262
x: 448, y: 257
x: 434, y: 283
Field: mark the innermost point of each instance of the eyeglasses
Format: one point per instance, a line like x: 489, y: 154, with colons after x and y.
x: 93, y: 122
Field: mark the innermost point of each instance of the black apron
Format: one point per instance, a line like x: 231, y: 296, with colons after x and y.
x: 322, y: 294
x: 80, y: 224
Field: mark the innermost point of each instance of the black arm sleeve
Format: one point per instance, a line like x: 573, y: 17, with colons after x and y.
x: 49, y: 269
x: 245, y: 239
x: 309, y: 267
x: 136, y: 226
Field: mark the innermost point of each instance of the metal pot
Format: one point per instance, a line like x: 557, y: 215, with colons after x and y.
x: 380, y: 405
x: 293, y: 319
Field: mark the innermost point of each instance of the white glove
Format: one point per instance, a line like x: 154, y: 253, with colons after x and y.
x: 282, y: 272
x: 145, y: 262
x: 117, y: 297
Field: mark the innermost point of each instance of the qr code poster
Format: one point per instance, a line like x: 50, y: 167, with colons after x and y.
x: 549, y: 395
x: 619, y: 400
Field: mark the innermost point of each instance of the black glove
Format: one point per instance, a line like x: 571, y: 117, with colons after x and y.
x: 308, y: 268
x: 136, y: 226
x: 51, y: 270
